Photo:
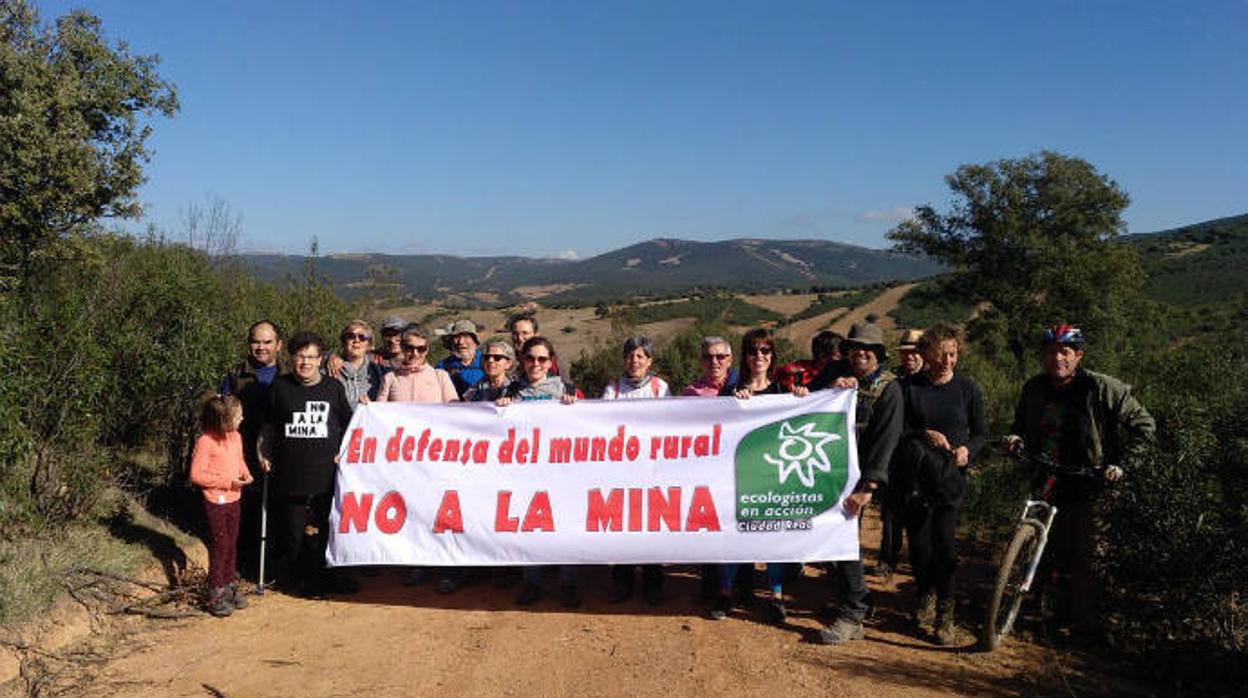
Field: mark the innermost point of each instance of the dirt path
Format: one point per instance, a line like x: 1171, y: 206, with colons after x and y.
x: 392, y: 640
x: 880, y: 306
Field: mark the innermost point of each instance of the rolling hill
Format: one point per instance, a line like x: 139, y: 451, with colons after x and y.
x: 1196, y: 264
x: 659, y: 266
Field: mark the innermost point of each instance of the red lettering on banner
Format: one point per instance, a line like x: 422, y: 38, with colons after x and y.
x: 522, y: 450
x: 370, y: 449
x: 481, y: 451
x: 539, y: 516
x: 422, y: 445
x: 392, y: 445
x: 409, y: 444
x: 451, y: 452
x: 449, y: 518
x: 503, y: 522
x: 354, y: 512
x: 715, y: 440
x: 656, y: 442
x: 391, y: 513
x: 634, y: 508
x: 634, y: 448
x: 701, y: 446
x: 605, y: 515
x: 702, y: 514
x: 435, y: 449
x: 665, y: 510
x: 353, y: 445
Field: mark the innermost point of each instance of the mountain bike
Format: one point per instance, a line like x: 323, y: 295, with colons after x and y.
x: 1022, y: 558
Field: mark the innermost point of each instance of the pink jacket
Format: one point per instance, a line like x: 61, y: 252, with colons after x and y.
x: 428, y: 384
x: 216, y: 463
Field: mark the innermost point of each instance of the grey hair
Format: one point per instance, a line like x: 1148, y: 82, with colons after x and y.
x: 641, y: 342
x: 708, y: 342
x: 415, y: 330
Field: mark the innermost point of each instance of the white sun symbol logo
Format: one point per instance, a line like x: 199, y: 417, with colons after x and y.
x: 801, y: 453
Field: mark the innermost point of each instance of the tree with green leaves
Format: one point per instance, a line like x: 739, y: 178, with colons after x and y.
x: 1036, y: 238
x: 74, y: 123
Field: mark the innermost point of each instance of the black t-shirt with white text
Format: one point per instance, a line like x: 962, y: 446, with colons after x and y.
x: 308, y: 422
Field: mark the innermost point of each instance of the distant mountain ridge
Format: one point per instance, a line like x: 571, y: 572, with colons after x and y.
x: 654, y: 267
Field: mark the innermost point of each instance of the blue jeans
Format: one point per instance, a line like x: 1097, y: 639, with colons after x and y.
x: 775, y: 577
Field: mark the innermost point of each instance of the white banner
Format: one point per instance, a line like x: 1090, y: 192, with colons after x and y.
x: 600, y: 481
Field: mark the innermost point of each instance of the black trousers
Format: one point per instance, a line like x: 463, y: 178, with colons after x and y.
x: 892, y: 517
x: 299, y: 527
x: 933, y: 547
x: 651, y: 576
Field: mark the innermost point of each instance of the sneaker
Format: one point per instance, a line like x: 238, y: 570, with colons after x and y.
x: 719, y: 610
x: 777, y: 614
x: 238, y: 599
x: 925, y: 611
x: 529, y: 594
x: 841, y: 632
x: 569, y: 596
x: 412, y: 576
x: 219, y: 603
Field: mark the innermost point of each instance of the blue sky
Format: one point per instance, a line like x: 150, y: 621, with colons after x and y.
x: 573, y: 128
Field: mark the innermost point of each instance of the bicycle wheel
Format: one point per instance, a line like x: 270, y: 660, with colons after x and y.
x: 1007, y: 594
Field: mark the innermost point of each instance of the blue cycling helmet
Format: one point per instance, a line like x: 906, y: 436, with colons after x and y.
x: 1063, y: 334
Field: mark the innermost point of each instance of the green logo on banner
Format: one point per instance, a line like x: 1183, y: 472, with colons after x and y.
x: 792, y: 470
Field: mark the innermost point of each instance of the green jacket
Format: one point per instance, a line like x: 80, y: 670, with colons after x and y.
x: 1091, y: 435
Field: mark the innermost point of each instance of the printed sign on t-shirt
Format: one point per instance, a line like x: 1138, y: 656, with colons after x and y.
x: 312, y: 423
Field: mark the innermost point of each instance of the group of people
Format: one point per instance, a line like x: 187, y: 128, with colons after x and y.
x: 920, y: 428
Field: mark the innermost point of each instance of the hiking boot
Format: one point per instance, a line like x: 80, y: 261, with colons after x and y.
x: 569, y: 596
x: 529, y: 594
x: 925, y: 612
x: 777, y: 614
x: 947, y: 632
x: 219, y: 603
x: 719, y: 610
x: 884, y: 571
x: 238, y: 599
x: 842, y: 631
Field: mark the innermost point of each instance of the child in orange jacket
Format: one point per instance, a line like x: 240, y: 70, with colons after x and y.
x: 218, y: 469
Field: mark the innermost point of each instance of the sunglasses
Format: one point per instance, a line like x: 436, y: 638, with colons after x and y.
x: 537, y: 359
x: 758, y: 351
x: 357, y: 336
x: 717, y: 357
x: 496, y: 357
x: 415, y: 348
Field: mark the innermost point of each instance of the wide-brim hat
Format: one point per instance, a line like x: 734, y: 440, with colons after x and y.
x: 910, y: 340
x: 457, y: 328
x: 866, y: 334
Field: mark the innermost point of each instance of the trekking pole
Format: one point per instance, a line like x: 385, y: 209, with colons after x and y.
x: 264, y: 531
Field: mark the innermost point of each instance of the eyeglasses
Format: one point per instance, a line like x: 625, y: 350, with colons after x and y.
x: 717, y: 357
x: 357, y: 336
x: 759, y: 351
x: 304, y: 358
x: 537, y: 359
x: 496, y: 357
x: 415, y: 348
